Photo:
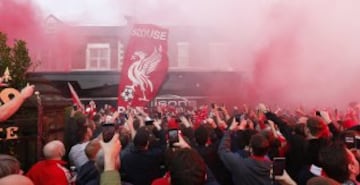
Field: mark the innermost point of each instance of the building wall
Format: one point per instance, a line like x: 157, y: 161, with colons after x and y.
x: 189, y: 48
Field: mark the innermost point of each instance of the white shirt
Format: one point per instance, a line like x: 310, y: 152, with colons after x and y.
x: 77, y: 155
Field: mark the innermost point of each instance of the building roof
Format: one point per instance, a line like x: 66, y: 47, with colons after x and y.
x: 183, y: 83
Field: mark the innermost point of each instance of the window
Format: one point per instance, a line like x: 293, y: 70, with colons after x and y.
x: 98, y: 56
x: 183, y: 54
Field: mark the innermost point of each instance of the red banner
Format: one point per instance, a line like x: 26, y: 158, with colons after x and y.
x: 75, y: 98
x: 145, y: 66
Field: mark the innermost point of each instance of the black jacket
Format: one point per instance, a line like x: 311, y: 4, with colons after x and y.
x: 141, y: 167
x: 88, y: 174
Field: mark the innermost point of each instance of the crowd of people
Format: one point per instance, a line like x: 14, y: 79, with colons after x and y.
x: 207, y: 145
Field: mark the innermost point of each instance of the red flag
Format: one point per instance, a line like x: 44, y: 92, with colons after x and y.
x: 145, y: 66
x: 76, y: 98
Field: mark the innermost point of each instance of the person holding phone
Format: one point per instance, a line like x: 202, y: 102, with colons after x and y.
x: 252, y: 170
x: 111, y: 149
x: 108, y: 131
x: 302, y: 161
x: 186, y: 166
x: 142, y: 161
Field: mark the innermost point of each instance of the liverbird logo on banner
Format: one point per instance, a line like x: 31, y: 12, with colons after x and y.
x: 145, y: 65
x: 140, y: 70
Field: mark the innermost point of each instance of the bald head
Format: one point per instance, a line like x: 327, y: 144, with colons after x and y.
x: 54, y: 150
x: 15, y: 179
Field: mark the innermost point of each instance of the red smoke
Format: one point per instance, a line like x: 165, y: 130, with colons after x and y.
x: 21, y: 20
x: 292, y: 52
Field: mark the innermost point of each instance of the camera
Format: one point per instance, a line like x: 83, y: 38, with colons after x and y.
x: 173, y: 136
x: 108, y: 131
x: 278, y: 166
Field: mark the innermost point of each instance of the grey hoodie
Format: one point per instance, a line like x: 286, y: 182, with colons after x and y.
x: 244, y: 171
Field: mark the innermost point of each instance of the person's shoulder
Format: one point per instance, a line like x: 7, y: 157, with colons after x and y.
x: 256, y: 163
x: 37, y: 165
x: 322, y: 181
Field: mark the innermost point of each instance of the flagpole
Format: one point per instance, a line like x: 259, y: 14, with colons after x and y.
x: 76, y: 98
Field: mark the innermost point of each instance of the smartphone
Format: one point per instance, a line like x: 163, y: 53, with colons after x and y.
x: 108, y: 131
x: 238, y: 118
x: 75, y: 107
x: 123, y: 116
x: 350, y: 142
x: 278, y: 166
x: 158, y: 114
x: 173, y: 136
x: 318, y: 113
x: 149, y: 122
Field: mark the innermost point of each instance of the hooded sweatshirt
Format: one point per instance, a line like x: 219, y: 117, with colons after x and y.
x: 245, y: 171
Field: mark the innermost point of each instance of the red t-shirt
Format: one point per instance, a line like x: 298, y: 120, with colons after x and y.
x: 49, y: 172
x: 162, y: 181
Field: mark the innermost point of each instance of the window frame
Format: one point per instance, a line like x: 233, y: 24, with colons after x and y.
x: 90, y: 46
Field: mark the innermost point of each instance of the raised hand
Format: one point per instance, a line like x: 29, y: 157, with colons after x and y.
x: 27, y: 91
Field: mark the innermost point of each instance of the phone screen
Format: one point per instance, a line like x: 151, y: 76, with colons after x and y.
x: 173, y: 136
x: 278, y: 166
x: 108, y: 131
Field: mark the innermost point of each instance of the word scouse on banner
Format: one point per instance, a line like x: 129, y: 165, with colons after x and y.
x: 149, y: 33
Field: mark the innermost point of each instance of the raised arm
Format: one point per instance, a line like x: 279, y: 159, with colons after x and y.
x: 111, y: 176
x: 326, y: 117
x: 229, y: 158
x: 285, y: 129
x: 10, y: 107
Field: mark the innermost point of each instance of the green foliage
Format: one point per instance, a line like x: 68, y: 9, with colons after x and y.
x: 17, y: 59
